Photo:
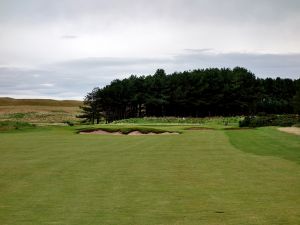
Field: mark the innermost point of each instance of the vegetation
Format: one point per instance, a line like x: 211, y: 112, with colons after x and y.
x: 212, y: 122
x: 39, y: 102
x: 39, y: 111
x: 197, y: 93
x: 229, y: 177
x: 296, y: 99
x: 270, y: 120
x: 9, y: 125
x: 40, y: 117
x: 125, y: 130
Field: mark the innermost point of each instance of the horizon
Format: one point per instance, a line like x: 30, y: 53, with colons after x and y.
x: 62, y: 50
x: 82, y: 98
x: 21, y: 97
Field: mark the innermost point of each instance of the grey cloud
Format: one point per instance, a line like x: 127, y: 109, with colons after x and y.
x: 263, y: 65
x: 101, y: 62
x: 73, y: 79
x: 234, y: 10
x: 69, y: 36
x: 23, y: 82
x: 84, y: 28
x: 106, y: 27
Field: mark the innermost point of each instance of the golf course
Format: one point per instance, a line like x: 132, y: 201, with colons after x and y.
x: 161, y: 112
x: 55, y: 175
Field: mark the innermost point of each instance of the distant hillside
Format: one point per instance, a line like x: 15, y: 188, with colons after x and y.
x: 38, y: 102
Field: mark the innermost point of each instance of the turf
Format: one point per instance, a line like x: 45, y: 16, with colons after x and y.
x: 55, y: 176
x: 267, y: 142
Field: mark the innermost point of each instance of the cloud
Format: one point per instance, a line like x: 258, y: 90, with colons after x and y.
x: 47, y: 85
x: 142, y: 28
x: 74, y: 78
x: 77, y: 45
x: 263, y: 65
x: 69, y: 36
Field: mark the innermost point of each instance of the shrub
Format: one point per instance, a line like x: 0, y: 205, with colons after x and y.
x: 270, y: 120
x: 70, y: 123
x: 10, y: 125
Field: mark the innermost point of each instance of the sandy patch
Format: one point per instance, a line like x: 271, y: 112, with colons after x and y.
x: 150, y: 133
x: 291, y: 130
x: 135, y: 133
x: 100, y: 132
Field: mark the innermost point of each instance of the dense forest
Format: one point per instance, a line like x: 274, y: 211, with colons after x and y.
x: 197, y: 93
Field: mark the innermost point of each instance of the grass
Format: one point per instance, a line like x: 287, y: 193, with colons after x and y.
x: 39, y: 110
x: 267, y: 142
x: 52, y: 175
x: 39, y: 102
x: 214, y: 122
x: 9, y: 126
x: 39, y: 114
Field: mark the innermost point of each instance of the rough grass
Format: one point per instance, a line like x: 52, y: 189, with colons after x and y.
x: 39, y: 114
x: 39, y: 110
x: 39, y: 102
x: 55, y: 176
x: 210, y: 122
x: 9, y: 126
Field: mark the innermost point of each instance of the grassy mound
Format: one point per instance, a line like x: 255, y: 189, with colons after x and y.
x: 39, y: 102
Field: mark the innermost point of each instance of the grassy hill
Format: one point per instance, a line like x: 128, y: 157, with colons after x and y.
x: 39, y: 110
x: 4, y: 101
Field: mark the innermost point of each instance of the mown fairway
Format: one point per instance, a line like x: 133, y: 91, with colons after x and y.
x: 238, y: 177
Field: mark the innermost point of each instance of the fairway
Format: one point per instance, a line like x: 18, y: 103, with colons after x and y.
x: 214, y: 177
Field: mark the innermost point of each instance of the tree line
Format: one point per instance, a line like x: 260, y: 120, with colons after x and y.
x: 196, y: 93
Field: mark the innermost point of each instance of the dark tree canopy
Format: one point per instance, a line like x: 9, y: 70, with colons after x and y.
x: 197, y: 93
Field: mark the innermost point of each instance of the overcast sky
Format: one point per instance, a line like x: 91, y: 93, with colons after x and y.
x: 62, y: 49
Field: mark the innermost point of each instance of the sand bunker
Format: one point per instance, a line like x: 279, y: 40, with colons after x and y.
x: 150, y: 133
x: 133, y: 133
x: 291, y: 130
x: 100, y: 132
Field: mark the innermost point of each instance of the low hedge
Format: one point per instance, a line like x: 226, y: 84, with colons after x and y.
x: 270, y: 120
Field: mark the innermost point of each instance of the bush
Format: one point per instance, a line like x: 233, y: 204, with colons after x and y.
x: 10, y: 125
x: 70, y: 123
x: 270, y: 120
